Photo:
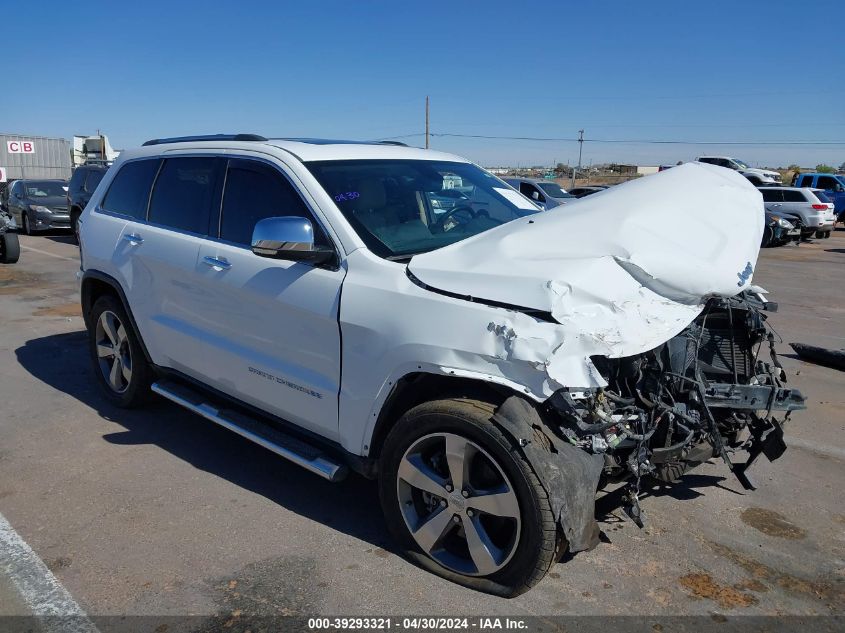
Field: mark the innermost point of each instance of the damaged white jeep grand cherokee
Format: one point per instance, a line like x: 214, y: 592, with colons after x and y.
x: 404, y: 313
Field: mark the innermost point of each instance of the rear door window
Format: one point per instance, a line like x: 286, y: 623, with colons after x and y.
x: 791, y: 195
x: 255, y: 191
x: 130, y: 190
x: 183, y: 194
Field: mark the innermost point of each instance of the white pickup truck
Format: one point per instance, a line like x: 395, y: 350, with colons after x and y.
x: 756, y: 176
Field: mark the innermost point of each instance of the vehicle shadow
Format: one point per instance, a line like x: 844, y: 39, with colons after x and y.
x: 834, y: 250
x: 351, y: 506
x: 62, y: 237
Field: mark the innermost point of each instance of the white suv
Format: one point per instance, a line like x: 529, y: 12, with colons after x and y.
x: 492, y: 365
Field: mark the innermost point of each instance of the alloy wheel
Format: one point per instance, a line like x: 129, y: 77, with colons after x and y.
x: 458, y: 504
x: 113, y: 351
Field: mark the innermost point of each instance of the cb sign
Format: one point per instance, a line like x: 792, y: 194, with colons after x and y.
x: 20, y: 147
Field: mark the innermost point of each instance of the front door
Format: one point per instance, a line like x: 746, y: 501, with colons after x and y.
x: 272, y: 333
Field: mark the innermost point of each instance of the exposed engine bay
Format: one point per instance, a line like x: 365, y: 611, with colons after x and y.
x: 715, y: 388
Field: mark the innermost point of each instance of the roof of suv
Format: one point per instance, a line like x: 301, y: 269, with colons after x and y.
x: 305, y: 149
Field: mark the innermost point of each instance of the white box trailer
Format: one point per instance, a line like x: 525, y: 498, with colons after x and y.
x: 23, y: 156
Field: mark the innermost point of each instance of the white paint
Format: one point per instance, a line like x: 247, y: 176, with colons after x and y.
x: 2, y: 174
x: 38, y: 250
x: 39, y: 588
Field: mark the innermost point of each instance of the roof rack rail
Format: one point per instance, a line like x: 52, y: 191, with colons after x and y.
x: 206, y: 137
x: 399, y: 143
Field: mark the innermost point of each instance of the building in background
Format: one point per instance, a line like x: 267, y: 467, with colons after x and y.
x: 40, y: 157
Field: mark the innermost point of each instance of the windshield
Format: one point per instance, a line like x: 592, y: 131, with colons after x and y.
x: 742, y: 164
x: 553, y: 190
x: 402, y: 208
x: 44, y: 188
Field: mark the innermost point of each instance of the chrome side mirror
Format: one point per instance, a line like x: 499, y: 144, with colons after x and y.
x: 288, y: 237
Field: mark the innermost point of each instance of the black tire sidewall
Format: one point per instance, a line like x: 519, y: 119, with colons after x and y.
x: 138, y: 391
x: 26, y: 225
x: 11, y: 248
x: 512, y: 579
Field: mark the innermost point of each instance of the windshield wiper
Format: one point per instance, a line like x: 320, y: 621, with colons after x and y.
x: 400, y: 258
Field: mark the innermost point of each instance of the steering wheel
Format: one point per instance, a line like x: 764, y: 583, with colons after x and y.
x: 448, y: 214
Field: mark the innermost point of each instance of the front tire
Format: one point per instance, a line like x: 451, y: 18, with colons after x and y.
x: 463, y: 502
x: 10, y: 248
x: 25, y: 224
x: 119, y: 362
x: 819, y: 235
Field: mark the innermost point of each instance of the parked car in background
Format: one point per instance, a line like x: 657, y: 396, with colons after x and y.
x: 816, y: 216
x: 832, y: 184
x: 82, y: 184
x: 547, y: 193
x: 38, y: 205
x: 779, y: 230
x: 756, y: 176
x: 580, y: 192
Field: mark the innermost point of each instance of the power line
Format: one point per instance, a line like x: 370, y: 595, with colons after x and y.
x: 619, y: 141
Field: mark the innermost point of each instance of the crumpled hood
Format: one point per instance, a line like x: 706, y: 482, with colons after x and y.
x: 622, y: 270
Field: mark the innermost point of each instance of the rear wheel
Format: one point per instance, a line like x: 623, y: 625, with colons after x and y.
x: 119, y: 362
x: 462, y: 500
x: 827, y: 234
x: 819, y: 235
x: 10, y: 248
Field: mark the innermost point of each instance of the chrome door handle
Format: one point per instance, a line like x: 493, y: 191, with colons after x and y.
x: 214, y: 262
x: 134, y: 239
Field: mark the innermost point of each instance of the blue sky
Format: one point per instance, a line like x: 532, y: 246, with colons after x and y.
x: 690, y: 71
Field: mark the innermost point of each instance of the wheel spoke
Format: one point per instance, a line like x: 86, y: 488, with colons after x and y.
x: 126, y: 370
x: 418, y: 475
x: 114, y: 374
x: 428, y: 534
x: 456, y: 458
x: 500, y: 504
x: 107, y: 320
x: 121, y: 334
x: 484, y: 554
x: 104, y: 350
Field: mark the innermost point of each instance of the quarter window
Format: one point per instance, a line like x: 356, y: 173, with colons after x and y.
x: 130, y: 190
x: 255, y: 191
x: 183, y: 194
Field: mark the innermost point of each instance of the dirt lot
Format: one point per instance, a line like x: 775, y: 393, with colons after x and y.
x: 158, y: 512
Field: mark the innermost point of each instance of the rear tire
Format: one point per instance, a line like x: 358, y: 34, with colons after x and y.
x: 10, y: 248
x: 819, y: 235
x: 119, y: 362
x: 827, y: 234
x: 504, y: 550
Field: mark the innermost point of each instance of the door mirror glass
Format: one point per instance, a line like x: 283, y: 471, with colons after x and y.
x: 288, y: 237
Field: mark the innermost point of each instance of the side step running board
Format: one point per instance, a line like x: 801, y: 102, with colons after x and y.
x: 291, y: 448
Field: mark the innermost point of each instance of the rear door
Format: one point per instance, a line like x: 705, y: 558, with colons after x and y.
x: 161, y: 254
x: 270, y: 326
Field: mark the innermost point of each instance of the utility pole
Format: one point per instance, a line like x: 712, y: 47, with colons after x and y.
x: 426, y: 121
x: 580, y: 147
